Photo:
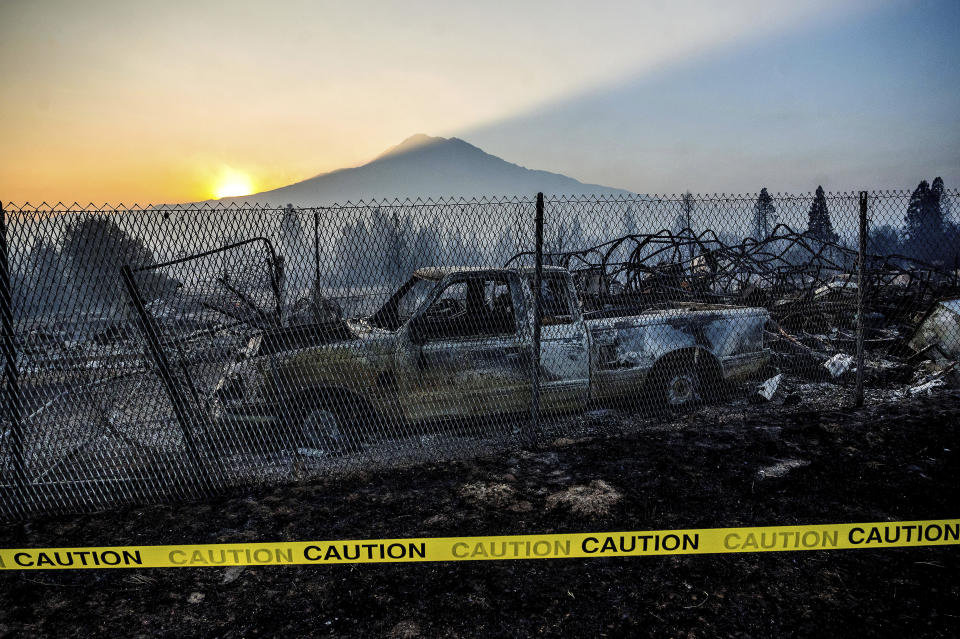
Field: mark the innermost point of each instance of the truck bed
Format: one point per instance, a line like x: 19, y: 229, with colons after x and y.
x: 724, y: 340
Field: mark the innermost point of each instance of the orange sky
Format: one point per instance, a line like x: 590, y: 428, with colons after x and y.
x: 155, y: 101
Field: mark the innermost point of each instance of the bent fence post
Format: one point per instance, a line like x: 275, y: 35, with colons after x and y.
x: 14, y: 400
x: 861, y: 283
x: 536, y: 301
x: 174, y: 392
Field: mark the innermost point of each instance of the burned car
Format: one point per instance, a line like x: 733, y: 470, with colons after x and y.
x: 456, y: 343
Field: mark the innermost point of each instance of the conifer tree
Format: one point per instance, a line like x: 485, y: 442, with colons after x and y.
x: 819, y: 224
x: 296, y: 253
x: 924, y: 221
x: 935, y: 203
x: 763, y: 215
x: 353, y: 265
x: 504, y: 248
x: 915, y: 209
x: 629, y: 221
x: 392, y: 232
x: 94, y: 248
x: 883, y: 240
x: 426, y: 247
x: 45, y: 282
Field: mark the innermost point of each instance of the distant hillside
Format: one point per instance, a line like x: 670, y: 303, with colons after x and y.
x: 423, y: 166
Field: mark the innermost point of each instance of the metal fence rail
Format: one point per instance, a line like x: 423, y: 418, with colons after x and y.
x: 171, y: 351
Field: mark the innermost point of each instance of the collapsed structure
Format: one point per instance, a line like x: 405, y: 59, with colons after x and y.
x: 808, y: 285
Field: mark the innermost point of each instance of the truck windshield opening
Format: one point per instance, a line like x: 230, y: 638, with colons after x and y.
x: 403, y: 304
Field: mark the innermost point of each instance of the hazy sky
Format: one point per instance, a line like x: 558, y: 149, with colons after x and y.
x: 858, y: 102
x: 157, y: 101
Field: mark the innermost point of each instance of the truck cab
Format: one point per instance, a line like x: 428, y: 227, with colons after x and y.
x: 466, y: 347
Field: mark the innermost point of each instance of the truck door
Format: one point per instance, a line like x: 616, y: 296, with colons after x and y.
x: 564, y: 345
x: 462, y: 355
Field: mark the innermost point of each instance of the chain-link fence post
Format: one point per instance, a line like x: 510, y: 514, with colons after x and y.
x: 180, y: 406
x: 536, y: 301
x: 14, y: 405
x: 861, y: 284
x: 316, y: 257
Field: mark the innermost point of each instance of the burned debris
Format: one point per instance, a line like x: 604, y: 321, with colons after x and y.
x: 939, y: 332
x: 937, y: 343
x: 808, y: 284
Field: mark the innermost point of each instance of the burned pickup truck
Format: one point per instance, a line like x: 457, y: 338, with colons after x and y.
x: 456, y: 343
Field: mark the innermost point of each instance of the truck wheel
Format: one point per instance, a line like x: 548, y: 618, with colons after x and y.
x: 323, y: 429
x: 683, y: 389
x: 680, y: 384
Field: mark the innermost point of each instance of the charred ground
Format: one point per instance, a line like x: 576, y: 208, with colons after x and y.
x: 815, y: 462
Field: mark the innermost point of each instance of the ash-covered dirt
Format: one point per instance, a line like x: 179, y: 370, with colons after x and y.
x: 759, y: 465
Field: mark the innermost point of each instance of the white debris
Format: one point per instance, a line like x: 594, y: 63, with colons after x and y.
x: 781, y: 468
x: 313, y: 452
x: 839, y: 364
x: 940, y: 330
x: 926, y: 387
x: 769, y: 387
x: 232, y: 574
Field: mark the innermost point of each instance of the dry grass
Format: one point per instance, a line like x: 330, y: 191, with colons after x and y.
x: 592, y: 500
x: 406, y: 629
x: 492, y: 494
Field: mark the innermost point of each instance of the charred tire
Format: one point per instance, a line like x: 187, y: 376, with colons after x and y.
x: 681, y: 383
x: 327, y: 428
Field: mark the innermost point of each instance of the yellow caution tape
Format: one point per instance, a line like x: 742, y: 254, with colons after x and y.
x: 940, y: 532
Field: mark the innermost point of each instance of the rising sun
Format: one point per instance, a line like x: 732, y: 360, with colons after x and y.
x: 233, y: 185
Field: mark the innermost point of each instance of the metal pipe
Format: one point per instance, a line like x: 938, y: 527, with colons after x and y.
x: 165, y: 372
x: 14, y: 400
x: 316, y: 253
x: 537, y: 317
x: 861, y: 283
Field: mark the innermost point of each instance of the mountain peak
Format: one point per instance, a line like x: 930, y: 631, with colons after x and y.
x: 424, y: 166
x: 412, y: 143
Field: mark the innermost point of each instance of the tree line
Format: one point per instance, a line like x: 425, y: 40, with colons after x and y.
x: 80, y: 274
x: 381, y: 247
x: 928, y: 231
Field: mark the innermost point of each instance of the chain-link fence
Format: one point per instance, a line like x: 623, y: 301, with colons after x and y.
x: 167, y: 352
